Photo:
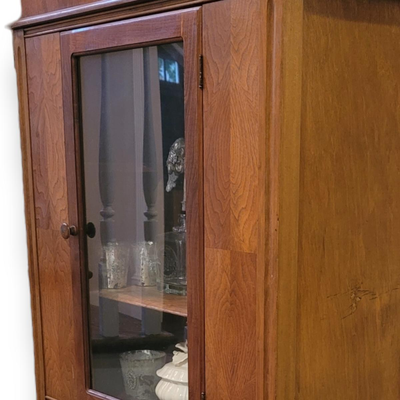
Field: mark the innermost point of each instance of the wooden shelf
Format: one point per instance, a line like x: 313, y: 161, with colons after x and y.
x: 148, y: 297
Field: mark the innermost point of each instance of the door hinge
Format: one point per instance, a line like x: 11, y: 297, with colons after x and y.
x: 203, y: 396
x: 201, y: 76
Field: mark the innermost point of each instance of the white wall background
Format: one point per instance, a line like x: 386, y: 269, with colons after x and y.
x: 16, y: 343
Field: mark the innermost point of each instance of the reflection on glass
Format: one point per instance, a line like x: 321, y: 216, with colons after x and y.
x: 171, y: 71
x: 132, y: 115
x: 161, y: 70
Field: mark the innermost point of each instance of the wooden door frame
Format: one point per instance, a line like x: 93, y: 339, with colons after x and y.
x: 182, y: 25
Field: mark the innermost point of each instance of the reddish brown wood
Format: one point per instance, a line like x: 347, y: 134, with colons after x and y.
x: 96, y: 12
x: 192, y: 39
x: 128, y: 33
x: 272, y: 177
x: 333, y: 175
x: 76, y: 199
x: 349, y: 214
x: 36, y: 7
x: 284, y: 118
x: 230, y: 325
x: 217, y: 110
x: 301, y: 188
x: 172, y: 26
x: 235, y: 198
x: 21, y: 69
x: 50, y: 190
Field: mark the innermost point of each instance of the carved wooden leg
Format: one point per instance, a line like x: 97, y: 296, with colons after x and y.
x: 151, y: 320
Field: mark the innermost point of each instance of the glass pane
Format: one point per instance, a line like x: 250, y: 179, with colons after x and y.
x: 161, y: 70
x: 172, y: 71
x: 133, y: 141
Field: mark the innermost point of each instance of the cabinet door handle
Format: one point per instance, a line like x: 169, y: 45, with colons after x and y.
x: 67, y: 231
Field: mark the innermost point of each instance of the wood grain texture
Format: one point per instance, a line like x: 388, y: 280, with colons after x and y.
x: 194, y: 173
x: 97, y: 12
x: 284, y: 68
x: 148, y: 297
x: 231, y: 350
x: 128, y: 33
x: 67, y: 8
x: 184, y: 25
x: 235, y: 197
x: 348, y: 344
x: 47, y: 119
x: 21, y: 69
x: 302, y: 219
x: 232, y: 154
x: 273, y: 114
x: 35, y: 7
x: 48, y: 157
x: 217, y: 69
x: 58, y: 333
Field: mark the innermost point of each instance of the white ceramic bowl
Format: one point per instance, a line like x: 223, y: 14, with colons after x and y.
x: 167, y: 390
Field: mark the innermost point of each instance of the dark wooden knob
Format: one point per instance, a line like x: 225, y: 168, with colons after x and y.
x: 67, y: 231
x: 90, y: 230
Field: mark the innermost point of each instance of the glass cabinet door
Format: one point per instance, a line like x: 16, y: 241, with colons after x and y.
x: 138, y: 145
x: 133, y: 141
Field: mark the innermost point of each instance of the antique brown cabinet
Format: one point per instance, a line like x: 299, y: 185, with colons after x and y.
x: 224, y: 174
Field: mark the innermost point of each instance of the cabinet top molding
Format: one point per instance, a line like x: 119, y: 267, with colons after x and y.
x: 36, y: 13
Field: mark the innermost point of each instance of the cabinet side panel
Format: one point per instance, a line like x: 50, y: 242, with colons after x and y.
x: 20, y: 66
x: 234, y: 149
x: 349, y: 220
x: 285, y: 24
x: 50, y: 192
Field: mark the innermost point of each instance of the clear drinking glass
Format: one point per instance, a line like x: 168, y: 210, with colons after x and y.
x: 139, y: 372
x: 145, y: 264
x: 114, y: 271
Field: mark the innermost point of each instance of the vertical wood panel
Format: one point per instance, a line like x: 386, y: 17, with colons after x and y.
x: 191, y: 33
x: 246, y: 123
x: 22, y: 80
x: 231, y: 350
x: 349, y: 253
x: 217, y: 111
x: 55, y: 274
x: 48, y: 156
x: 235, y: 198
x: 45, y: 102
x: 286, y: 44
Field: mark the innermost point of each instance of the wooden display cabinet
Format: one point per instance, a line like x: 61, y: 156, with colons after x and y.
x: 285, y: 213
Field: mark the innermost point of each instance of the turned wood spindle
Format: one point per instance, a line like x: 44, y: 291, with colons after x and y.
x: 150, y: 177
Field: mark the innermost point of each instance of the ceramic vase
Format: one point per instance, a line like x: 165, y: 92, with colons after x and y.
x: 174, y: 377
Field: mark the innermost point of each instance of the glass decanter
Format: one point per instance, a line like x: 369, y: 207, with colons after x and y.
x: 175, y: 281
